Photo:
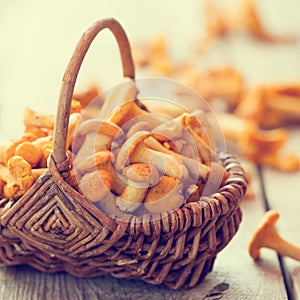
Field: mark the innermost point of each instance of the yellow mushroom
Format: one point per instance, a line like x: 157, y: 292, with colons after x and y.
x: 98, y: 135
x: 10, y: 149
x: 165, y: 196
x: 139, y: 178
x: 20, y: 179
x: 196, y: 169
x: 102, y: 160
x: 126, y: 112
x: 118, y: 95
x: 29, y: 152
x: 34, y: 152
x: 134, y: 150
x: 95, y: 185
x: 33, y: 118
x: 266, y: 236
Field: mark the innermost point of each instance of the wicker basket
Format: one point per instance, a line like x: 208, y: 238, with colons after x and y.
x: 54, y: 228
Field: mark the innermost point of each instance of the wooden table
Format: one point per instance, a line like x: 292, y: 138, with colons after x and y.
x: 33, y: 56
x: 235, y: 275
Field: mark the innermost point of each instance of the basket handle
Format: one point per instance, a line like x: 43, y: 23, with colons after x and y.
x: 71, y: 73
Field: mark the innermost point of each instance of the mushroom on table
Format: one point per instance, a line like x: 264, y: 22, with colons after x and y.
x: 266, y: 236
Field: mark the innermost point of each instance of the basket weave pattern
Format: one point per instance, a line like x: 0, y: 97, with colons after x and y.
x: 54, y: 228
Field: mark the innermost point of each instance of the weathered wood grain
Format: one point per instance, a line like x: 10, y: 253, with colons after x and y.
x: 247, y: 279
x: 283, y: 192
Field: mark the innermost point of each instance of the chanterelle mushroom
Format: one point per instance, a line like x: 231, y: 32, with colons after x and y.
x: 198, y: 134
x: 19, y: 179
x: 102, y: 160
x: 195, y: 168
x: 135, y: 150
x: 266, y: 236
x: 119, y: 94
x: 99, y: 135
x: 140, y: 178
x: 126, y: 112
x: 165, y: 195
x: 96, y: 185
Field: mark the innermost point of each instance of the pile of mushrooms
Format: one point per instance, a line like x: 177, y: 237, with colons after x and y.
x: 24, y: 159
x: 137, y: 162
x: 134, y: 161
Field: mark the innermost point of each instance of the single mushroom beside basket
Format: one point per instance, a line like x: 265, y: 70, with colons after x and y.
x: 266, y: 236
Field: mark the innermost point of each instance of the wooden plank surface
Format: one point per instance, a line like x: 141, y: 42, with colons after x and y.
x: 283, y: 192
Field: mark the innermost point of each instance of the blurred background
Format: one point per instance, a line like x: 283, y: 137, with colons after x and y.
x: 38, y: 38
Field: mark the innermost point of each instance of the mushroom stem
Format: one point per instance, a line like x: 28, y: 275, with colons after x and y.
x: 87, y: 149
x: 96, y: 185
x: 32, y: 118
x: 36, y: 173
x: 166, y: 163
x: 99, y: 136
x: 205, y: 153
x: 132, y: 197
x: 135, y: 150
x: 234, y: 127
x: 140, y: 177
x: 101, y: 160
x: 196, y: 169
x: 266, y: 236
x: 286, y: 106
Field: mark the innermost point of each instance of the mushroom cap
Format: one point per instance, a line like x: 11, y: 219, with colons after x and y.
x: 128, y: 148
x: 18, y: 166
x: 92, y: 162
x: 198, y: 122
x: 164, y: 196
x: 101, y: 127
x: 263, y: 234
x: 168, y: 131
x: 142, y: 173
x: 96, y: 185
x: 29, y: 152
x: 138, y: 126
x: 126, y: 112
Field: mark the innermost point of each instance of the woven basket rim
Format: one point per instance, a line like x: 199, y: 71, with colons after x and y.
x: 232, y: 190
